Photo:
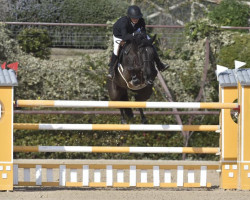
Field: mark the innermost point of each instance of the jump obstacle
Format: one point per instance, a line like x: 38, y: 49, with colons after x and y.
x: 234, y: 166
x: 113, y: 173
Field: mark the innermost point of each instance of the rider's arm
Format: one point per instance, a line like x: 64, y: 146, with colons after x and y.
x: 125, y: 35
x: 142, y: 26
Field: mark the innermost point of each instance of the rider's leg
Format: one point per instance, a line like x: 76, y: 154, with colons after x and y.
x: 111, y: 65
x: 160, y: 66
x: 114, y: 57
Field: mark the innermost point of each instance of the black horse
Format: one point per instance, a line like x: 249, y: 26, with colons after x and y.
x: 136, y: 72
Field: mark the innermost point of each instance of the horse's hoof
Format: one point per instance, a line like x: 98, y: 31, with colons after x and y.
x: 150, y: 82
x: 123, y: 121
x: 165, y: 68
x: 144, y: 121
x: 131, y: 116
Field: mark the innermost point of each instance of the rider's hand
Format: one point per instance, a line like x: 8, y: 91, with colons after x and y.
x: 136, y: 33
x: 146, y: 42
x: 137, y: 37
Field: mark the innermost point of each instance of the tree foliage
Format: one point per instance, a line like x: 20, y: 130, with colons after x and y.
x: 95, y: 11
x: 70, y: 11
x: 35, y: 11
x: 230, y: 13
x: 238, y: 50
x: 67, y: 11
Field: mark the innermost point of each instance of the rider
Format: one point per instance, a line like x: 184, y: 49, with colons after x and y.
x: 124, y: 29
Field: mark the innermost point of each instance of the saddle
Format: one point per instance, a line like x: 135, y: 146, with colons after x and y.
x: 123, y: 48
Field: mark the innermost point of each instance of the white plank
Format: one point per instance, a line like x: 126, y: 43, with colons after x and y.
x: 203, y: 177
x: 97, y: 176
x: 132, y: 176
x: 156, y: 176
x: 144, y: 176
x: 180, y: 173
x: 73, y: 175
x: 167, y: 176
x: 85, y: 175
x: 190, y: 176
x: 62, y: 175
x: 38, y: 174
x: 26, y: 174
x: 109, y: 175
x: 49, y: 175
x: 120, y: 176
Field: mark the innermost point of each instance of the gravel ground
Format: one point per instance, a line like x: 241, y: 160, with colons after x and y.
x: 62, y: 193
x: 31, y: 193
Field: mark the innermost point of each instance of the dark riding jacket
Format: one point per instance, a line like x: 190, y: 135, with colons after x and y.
x: 124, y: 28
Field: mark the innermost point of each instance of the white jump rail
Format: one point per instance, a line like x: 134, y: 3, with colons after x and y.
x: 112, y: 149
x: 123, y: 104
x: 116, y: 127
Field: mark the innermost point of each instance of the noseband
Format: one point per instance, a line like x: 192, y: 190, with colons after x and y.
x: 129, y: 84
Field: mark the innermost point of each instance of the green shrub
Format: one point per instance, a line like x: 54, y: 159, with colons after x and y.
x: 35, y: 41
x: 239, y: 50
x: 230, y: 13
x: 200, y: 29
x: 9, y: 48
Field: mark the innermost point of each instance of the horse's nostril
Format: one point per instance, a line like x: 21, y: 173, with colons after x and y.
x: 135, y: 81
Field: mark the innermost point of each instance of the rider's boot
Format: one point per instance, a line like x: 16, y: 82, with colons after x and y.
x: 160, y: 66
x: 112, y: 66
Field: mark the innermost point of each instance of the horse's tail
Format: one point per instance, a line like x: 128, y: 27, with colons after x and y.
x: 129, y: 112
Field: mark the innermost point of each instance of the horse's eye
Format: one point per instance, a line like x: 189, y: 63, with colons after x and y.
x: 130, y: 68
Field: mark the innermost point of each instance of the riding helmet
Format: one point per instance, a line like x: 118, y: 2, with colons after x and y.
x: 134, y: 12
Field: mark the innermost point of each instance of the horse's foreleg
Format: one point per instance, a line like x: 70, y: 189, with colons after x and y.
x: 143, y: 117
x: 143, y: 95
x: 123, y: 120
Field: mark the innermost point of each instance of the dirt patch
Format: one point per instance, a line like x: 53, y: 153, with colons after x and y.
x: 62, y: 53
x: 31, y: 193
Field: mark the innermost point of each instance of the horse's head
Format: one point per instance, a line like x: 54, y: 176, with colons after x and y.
x: 137, y: 61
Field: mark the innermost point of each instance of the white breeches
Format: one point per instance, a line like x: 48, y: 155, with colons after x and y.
x: 116, y: 42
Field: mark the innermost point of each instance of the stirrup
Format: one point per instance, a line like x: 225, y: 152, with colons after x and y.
x: 110, y: 77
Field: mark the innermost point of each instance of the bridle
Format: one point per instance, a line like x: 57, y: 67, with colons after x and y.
x: 142, y: 60
x: 129, y: 85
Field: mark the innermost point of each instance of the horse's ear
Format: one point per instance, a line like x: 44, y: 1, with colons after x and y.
x: 153, y: 39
